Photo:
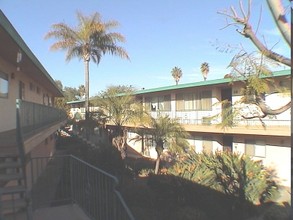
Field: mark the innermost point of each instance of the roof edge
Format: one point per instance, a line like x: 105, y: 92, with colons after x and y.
x: 9, y: 28
x: 206, y: 83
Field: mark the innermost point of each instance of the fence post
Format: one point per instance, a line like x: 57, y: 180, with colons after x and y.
x: 70, y: 165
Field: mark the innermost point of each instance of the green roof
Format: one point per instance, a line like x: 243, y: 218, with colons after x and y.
x: 79, y: 101
x: 203, y: 83
x: 75, y: 102
x: 8, y: 27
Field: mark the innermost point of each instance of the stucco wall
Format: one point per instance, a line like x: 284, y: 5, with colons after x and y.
x: 33, y: 92
x: 8, y: 105
x: 274, y: 153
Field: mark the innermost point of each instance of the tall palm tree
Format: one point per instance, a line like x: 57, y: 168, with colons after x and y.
x: 167, y: 131
x: 205, y: 70
x: 177, y: 74
x: 89, y: 40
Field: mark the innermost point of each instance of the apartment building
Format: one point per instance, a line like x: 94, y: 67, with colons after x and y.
x: 199, y: 108
x: 29, y: 120
x: 77, y: 109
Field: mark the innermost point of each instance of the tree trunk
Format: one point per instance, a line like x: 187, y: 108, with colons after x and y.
x: 248, y: 32
x: 120, y: 142
x: 157, y: 167
x: 159, y: 149
x: 268, y: 111
x: 86, y: 82
x: 142, y: 143
x: 278, y: 13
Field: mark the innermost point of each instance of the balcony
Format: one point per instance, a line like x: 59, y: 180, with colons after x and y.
x: 34, y: 122
x: 199, y: 122
x: 250, y: 127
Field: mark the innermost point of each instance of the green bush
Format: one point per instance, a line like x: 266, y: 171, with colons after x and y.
x: 231, y: 173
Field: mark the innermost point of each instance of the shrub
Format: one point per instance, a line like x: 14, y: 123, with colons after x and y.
x: 231, y: 173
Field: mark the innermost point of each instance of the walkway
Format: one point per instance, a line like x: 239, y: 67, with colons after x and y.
x: 70, y: 212
x: 65, y: 212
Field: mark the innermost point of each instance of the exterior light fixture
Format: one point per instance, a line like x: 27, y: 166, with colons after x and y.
x: 18, y: 59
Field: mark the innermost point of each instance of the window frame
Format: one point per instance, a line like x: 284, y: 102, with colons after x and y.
x: 4, y: 80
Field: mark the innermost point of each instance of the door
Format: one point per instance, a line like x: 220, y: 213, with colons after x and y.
x: 227, y: 143
x: 226, y: 98
x: 21, y: 90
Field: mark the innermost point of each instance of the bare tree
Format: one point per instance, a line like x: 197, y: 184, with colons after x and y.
x: 243, y: 19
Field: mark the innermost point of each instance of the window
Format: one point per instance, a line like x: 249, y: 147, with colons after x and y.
x: 3, y: 85
x: 188, y: 101
x: 249, y: 148
x: 206, y: 100
x: 194, y: 101
x: 164, y: 103
x: 179, y: 102
x: 255, y: 148
x: 207, y: 145
x: 161, y: 103
x: 154, y: 104
x: 50, y: 101
x: 32, y: 87
x: 285, y: 83
x: 147, y: 103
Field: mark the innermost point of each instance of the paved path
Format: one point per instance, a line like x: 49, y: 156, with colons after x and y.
x: 66, y: 212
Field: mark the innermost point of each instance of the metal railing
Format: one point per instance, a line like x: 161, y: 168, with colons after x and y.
x: 66, y: 179
x: 203, y: 118
x: 33, y: 116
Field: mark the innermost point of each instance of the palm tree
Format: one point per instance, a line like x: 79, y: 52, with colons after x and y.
x: 177, y: 74
x: 90, y: 40
x: 121, y: 110
x: 205, y: 70
x: 167, y: 131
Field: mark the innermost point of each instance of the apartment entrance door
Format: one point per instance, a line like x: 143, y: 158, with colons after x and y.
x: 227, y: 143
x: 21, y: 90
x: 226, y: 98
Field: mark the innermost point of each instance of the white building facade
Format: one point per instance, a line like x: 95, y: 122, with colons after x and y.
x: 199, y: 108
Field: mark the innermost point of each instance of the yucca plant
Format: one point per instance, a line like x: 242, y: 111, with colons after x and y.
x: 231, y: 173
x: 192, y: 168
x: 240, y: 176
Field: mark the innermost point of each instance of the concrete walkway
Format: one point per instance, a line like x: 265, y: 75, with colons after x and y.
x: 70, y: 212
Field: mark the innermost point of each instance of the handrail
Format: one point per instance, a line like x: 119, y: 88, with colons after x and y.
x: 76, y: 181
x: 96, y: 168
x: 29, y: 118
x: 33, y: 116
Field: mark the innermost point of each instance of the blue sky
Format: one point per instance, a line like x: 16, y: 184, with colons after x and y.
x: 159, y: 36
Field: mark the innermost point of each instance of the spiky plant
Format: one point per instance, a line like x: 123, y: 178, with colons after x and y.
x: 231, y: 173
